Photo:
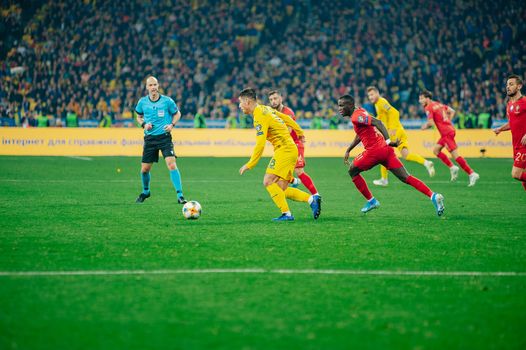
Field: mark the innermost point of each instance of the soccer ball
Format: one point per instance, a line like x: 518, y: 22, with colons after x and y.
x: 192, y: 210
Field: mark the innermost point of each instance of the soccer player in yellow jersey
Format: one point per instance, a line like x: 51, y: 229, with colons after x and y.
x: 273, y: 126
x: 391, y: 118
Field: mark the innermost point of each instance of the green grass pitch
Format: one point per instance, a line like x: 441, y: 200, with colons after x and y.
x: 68, y: 214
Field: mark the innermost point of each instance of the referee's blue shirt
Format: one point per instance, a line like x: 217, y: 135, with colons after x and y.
x: 158, y: 113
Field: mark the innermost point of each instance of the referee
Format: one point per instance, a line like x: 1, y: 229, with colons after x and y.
x: 157, y: 114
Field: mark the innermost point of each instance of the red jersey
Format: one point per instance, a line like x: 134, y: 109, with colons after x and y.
x: 288, y: 111
x: 437, y: 111
x: 516, y: 113
x: 368, y: 134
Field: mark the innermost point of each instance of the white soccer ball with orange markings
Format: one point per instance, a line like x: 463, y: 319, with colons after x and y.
x: 192, y: 210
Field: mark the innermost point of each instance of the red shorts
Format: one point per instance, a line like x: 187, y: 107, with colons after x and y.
x: 519, y: 158
x: 371, y: 157
x: 301, y: 155
x: 448, y: 141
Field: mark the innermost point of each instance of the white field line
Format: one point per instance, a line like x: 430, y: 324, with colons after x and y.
x: 265, y: 271
x: 218, y: 181
x: 80, y: 158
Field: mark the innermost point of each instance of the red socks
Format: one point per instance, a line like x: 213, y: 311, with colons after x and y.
x: 360, y: 184
x: 419, y: 185
x: 307, y: 182
x: 444, y: 159
x: 464, y: 165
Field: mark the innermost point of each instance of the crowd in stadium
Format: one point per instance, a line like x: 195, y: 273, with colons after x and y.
x: 71, y: 60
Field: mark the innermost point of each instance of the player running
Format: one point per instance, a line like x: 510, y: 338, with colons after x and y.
x: 390, y: 117
x: 157, y: 114
x: 441, y: 116
x: 276, y: 102
x: 375, y: 138
x: 516, y: 113
x: 272, y: 125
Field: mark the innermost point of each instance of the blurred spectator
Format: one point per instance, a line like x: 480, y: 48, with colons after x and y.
x: 89, y: 57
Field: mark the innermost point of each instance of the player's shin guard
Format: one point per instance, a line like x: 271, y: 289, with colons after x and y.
x: 383, y: 172
x: 307, y: 182
x: 361, y: 185
x: 296, y: 195
x: 278, y: 197
x: 464, y: 165
x: 444, y: 159
x: 419, y: 185
x: 145, y: 177
x: 175, y: 176
x: 417, y: 158
x: 523, y: 176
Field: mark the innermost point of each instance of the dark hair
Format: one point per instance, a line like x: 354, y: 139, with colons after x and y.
x: 347, y: 99
x: 272, y: 92
x: 372, y: 88
x: 516, y: 77
x: 426, y: 93
x: 250, y: 93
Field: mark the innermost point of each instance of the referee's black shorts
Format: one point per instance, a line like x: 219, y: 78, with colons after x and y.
x: 155, y: 143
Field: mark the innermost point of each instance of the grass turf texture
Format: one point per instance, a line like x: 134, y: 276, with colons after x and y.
x: 70, y: 214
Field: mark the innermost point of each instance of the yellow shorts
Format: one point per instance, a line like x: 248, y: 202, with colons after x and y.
x: 283, y: 163
x: 402, y: 137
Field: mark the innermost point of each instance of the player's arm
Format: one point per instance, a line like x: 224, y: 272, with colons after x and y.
x: 261, y: 138
x: 175, y: 113
x: 428, y: 124
x: 140, y: 117
x: 381, y: 127
x: 393, y: 117
x: 291, y: 123
x: 353, y: 144
x: 450, y: 113
x: 504, y: 127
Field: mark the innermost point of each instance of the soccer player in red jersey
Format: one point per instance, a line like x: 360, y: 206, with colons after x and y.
x: 378, y: 150
x: 276, y: 102
x: 441, y: 116
x: 516, y: 113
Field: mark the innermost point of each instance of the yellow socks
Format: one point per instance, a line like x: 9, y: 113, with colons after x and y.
x: 297, y: 195
x: 417, y: 158
x: 383, y: 172
x: 278, y: 197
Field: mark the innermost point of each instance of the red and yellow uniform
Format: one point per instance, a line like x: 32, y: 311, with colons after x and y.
x: 273, y: 126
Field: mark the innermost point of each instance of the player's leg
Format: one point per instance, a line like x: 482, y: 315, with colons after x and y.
x: 437, y: 151
x: 383, y: 180
x: 145, y: 179
x: 277, y: 194
x: 417, y: 158
x: 397, y: 168
x: 473, y: 176
x: 518, y: 171
x: 175, y: 176
x: 361, y: 163
x: 306, y: 180
x: 284, y: 167
x: 150, y: 155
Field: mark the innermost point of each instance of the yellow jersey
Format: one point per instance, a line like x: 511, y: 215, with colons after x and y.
x: 388, y: 114
x: 273, y: 126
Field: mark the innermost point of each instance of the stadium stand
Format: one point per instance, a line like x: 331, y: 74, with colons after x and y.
x: 84, y: 62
